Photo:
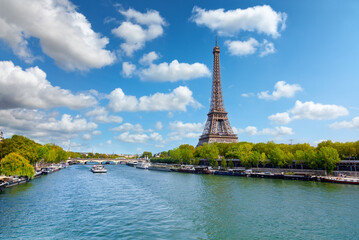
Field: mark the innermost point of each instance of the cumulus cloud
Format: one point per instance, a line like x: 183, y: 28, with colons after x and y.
x: 65, y: 34
x: 138, y: 137
x: 249, y: 47
x: 178, y: 99
x: 242, y: 48
x: 277, y: 131
x: 126, y: 127
x: 86, y: 136
x: 280, y: 118
x: 128, y: 69
x: 96, y: 133
x: 158, y: 125
x: 101, y: 115
x: 148, y: 58
x: 138, y: 29
x: 179, y: 126
x: 353, y: 124
x: 260, y: 19
x: 43, y: 126
x: 317, y: 111
x: 30, y: 89
x: 309, y: 110
x: 267, y: 48
x: 182, y: 130
x: 281, y: 89
x: 174, y: 72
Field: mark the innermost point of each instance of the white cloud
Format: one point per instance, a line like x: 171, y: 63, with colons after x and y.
x: 261, y: 19
x: 126, y: 127
x: 65, y: 34
x: 96, y: 133
x: 174, y: 72
x: 282, y: 89
x: 133, y: 31
x: 184, y: 130
x: 86, y: 136
x: 109, y: 142
x: 138, y: 137
x: 317, y: 111
x: 148, y: 58
x: 309, y: 110
x: 277, y: 131
x: 31, y: 89
x: 101, y: 115
x: 159, y: 125
x: 353, y: 124
x: 280, y: 118
x: 178, y: 99
x: 268, y: 48
x: 44, y: 126
x: 247, y: 94
x: 242, y: 48
x: 179, y: 126
x: 128, y: 69
x: 132, y: 138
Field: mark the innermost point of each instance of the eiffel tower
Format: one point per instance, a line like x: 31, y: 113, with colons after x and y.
x: 217, y: 128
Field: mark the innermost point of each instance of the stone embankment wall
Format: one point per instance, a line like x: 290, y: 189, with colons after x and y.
x: 280, y: 170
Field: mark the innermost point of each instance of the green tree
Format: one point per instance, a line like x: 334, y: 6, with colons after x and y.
x: 277, y: 156
x: 300, y: 157
x: 255, y: 158
x: 16, y: 165
x: 231, y: 164
x: 263, y: 159
x: 207, y: 151
x: 224, y: 163
x: 21, y: 145
x: 311, y: 159
x: 146, y: 154
x: 328, y: 157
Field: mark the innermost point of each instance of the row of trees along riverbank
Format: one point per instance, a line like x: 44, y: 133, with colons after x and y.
x: 325, y: 156
x: 19, y: 155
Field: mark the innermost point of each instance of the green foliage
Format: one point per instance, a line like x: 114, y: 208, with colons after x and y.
x: 277, y: 157
x: 16, y: 165
x: 224, y: 163
x: 328, y: 158
x: 146, y: 154
x: 230, y: 164
x: 254, y: 158
x: 164, y: 154
x: 53, y: 153
x: 21, y: 145
x: 167, y: 160
x: 207, y: 151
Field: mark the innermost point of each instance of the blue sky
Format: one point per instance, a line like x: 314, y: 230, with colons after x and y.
x: 129, y: 76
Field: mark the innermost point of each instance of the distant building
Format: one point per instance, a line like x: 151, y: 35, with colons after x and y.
x: 1, y: 136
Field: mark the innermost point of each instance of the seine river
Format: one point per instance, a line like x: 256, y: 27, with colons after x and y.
x: 129, y: 203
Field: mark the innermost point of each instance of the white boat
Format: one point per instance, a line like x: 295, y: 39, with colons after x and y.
x: 143, y: 165
x: 98, y: 169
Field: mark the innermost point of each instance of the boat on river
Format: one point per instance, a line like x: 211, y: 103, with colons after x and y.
x: 158, y: 167
x: 98, y: 169
x: 143, y: 165
x: 3, y: 185
x: 343, y: 180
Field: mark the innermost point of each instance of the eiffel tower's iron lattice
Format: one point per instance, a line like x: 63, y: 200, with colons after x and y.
x: 217, y: 127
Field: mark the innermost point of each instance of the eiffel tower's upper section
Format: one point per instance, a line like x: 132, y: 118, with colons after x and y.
x: 217, y: 104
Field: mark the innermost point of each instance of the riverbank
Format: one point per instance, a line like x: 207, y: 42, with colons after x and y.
x: 11, y: 181
x: 275, y: 173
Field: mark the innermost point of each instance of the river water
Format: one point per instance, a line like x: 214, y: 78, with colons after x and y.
x: 129, y: 203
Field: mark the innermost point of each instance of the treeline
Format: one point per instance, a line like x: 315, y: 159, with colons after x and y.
x: 19, y: 154
x: 93, y: 155
x: 325, y: 156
